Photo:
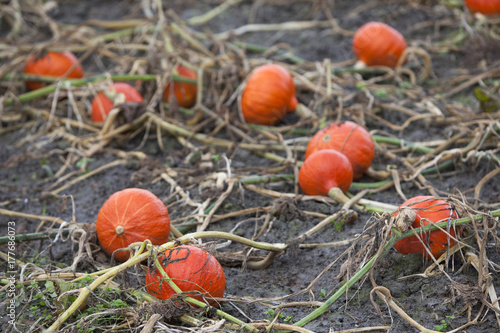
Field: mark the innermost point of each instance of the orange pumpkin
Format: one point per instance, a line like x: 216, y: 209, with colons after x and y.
x: 485, y: 7
x: 428, y: 211
x: 184, y: 93
x: 129, y: 216
x: 104, y: 101
x: 350, y: 139
x: 191, y: 269
x: 378, y: 44
x: 56, y: 64
x: 268, y: 96
x: 324, y: 170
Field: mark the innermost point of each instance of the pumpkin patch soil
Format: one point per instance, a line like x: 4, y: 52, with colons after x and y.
x: 28, y: 169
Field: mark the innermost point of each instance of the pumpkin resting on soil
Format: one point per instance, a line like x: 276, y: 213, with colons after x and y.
x: 324, y: 170
x: 378, y: 44
x: 428, y: 211
x: 104, y: 101
x: 55, y: 64
x: 191, y: 269
x: 129, y: 216
x: 485, y: 7
x: 184, y: 93
x: 268, y: 96
x: 350, y: 139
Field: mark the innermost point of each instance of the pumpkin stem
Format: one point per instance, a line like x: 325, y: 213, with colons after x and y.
x: 405, y: 219
x: 115, y: 97
x: 304, y: 112
x: 336, y: 194
x: 360, y: 64
x: 120, y: 230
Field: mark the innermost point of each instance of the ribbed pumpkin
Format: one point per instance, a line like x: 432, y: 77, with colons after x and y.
x: 378, y: 44
x: 192, y: 269
x: 268, y: 96
x: 56, y: 64
x: 485, y: 7
x: 104, y: 101
x: 184, y: 93
x: 350, y: 139
x: 324, y: 170
x: 129, y: 216
x: 428, y: 211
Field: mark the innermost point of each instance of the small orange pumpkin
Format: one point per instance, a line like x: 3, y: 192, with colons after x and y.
x: 428, y: 210
x: 184, y: 93
x: 104, y: 101
x: 324, y: 170
x: 268, y: 96
x: 350, y: 139
x: 485, y: 7
x: 191, y: 269
x: 378, y: 44
x: 129, y: 216
x: 56, y: 64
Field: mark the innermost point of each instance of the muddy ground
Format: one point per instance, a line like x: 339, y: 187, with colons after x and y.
x: 28, y: 169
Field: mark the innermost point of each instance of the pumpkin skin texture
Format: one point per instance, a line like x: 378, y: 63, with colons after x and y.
x: 324, y: 170
x: 428, y: 211
x: 350, y: 139
x: 485, y: 7
x: 378, y: 44
x: 192, y: 269
x: 102, y: 104
x: 54, y: 64
x: 129, y: 216
x: 268, y: 96
x: 185, y: 93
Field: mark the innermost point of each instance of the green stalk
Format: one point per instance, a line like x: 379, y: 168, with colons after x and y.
x: 368, y: 205
x: 94, y: 78
x: 323, y: 308
x: 280, y: 177
x: 185, y: 111
x: 79, y: 82
x: 440, y: 167
x: 374, y: 209
x: 402, y: 143
x: 185, y: 228
x: 373, y: 185
x: 395, y: 237
x: 31, y: 237
x: 242, y: 240
x: 43, y: 91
